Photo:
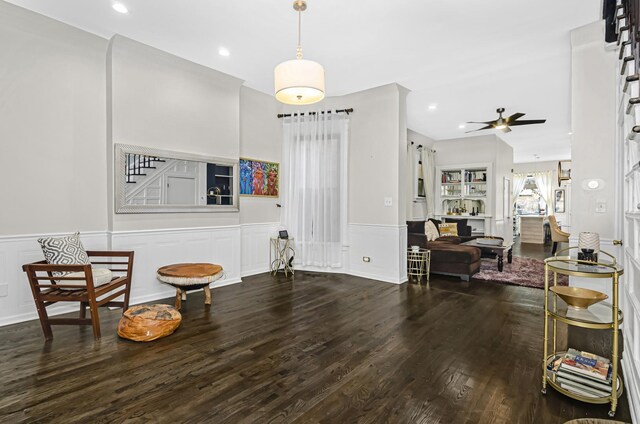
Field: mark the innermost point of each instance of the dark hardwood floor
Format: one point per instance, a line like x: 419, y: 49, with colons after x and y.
x: 321, y: 348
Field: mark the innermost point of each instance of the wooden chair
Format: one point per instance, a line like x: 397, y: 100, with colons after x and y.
x: 47, y: 289
x: 557, y: 235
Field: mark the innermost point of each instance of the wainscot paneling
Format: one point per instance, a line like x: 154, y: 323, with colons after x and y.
x: 15, y: 251
x: 156, y: 248
x: 385, y: 245
x: 255, y: 246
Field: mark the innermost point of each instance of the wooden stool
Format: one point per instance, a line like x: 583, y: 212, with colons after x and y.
x: 144, y: 323
x: 190, y: 277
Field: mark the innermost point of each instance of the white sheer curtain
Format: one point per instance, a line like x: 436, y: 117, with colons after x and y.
x: 518, y: 184
x: 429, y: 175
x: 545, y: 187
x: 313, y: 201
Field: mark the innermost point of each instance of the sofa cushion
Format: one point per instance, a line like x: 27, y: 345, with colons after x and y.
x: 462, y: 225
x: 431, y: 231
x: 450, y: 229
x: 416, y: 227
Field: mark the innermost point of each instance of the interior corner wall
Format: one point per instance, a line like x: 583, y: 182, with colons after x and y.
x: 261, y: 139
x: 375, y: 230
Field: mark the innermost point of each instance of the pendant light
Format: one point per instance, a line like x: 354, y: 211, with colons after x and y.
x: 299, y: 81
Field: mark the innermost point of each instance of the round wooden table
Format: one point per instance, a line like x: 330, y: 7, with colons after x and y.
x: 190, y: 276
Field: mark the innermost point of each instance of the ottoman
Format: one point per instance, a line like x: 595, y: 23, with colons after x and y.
x: 144, y: 323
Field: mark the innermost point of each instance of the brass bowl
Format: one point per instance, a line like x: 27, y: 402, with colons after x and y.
x: 577, y: 297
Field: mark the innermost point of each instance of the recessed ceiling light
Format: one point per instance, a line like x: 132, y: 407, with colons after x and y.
x: 222, y: 51
x: 120, y: 8
x: 570, y: 133
x: 462, y: 126
x: 433, y: 106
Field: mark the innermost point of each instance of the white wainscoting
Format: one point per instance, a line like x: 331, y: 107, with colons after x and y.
x: 156, y: 248
x: 255, y: 245
x: 385, y: 245
x: 16, y: 251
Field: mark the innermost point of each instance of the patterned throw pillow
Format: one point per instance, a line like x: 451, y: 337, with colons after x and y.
x: 66, y: 250
x: 431, y: 231
x: 450, y: 229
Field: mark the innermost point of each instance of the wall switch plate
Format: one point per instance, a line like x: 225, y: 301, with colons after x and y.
x: 388, y: 202
x: 366, y: 259
x: 601, y: 206
x: 4, y: 290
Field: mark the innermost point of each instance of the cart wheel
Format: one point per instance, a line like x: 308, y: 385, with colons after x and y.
x: 612, y: 413
x: 543, y: 391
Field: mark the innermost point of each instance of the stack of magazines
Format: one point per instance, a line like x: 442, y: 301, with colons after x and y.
x: 583, y: 373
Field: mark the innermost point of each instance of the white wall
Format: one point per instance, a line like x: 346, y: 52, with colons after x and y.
x: 593, y: 96
x: 52, y: 130
x: 159, y: 100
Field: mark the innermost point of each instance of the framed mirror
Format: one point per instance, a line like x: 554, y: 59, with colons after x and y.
x: 160, y: 181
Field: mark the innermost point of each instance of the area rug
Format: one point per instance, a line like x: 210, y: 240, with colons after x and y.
x: 526, y: 272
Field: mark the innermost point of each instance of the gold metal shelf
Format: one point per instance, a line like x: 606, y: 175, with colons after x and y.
x: 600, y: 316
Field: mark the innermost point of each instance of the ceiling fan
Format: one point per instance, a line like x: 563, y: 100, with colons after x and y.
x: 503, y: 124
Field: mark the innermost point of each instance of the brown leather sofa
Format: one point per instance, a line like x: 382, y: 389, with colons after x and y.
x: 447, y: 256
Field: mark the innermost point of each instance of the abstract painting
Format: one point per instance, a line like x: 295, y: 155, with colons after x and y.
x: 259, y: 178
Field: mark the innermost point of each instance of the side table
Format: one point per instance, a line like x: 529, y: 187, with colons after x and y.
x: 418, y: 263
x: 282, y: 251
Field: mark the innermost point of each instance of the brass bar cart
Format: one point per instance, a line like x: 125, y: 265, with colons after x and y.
x: 600, y: 316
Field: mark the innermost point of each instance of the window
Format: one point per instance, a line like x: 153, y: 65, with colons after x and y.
x: 529, y: 201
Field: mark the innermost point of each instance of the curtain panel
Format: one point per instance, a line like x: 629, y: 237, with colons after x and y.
x: 313, y: 196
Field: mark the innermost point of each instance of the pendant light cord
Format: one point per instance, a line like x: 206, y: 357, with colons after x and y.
x: 299, y: 48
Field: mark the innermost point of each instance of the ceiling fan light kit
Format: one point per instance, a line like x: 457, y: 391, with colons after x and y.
x: 299, y: 81
x: 505, y: 125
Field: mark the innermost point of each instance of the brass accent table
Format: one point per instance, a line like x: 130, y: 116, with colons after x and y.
x: 281, y: 250
x: 418, y: 264
x: 600, y: 316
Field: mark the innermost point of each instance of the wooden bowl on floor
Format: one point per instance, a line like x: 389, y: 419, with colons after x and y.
x: 577, y: 297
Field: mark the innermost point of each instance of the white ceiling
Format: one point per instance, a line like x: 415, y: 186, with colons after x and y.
x: 468, y: 57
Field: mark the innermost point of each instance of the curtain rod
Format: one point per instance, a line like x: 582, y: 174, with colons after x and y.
x: 286, y: 115
x: 420, y: 147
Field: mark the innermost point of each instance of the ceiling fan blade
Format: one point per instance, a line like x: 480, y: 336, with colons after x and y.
x: 513, y: 117
x: 528, y: 122
x: 486, y: 123
x: 480, y: 129
x: 505, y: 129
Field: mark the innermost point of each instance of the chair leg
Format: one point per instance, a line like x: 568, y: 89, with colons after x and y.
x: 555, y: 247
x: 44, y: 319
x: 95, y: 318
x: 83, y: 309
x: 126, y: 296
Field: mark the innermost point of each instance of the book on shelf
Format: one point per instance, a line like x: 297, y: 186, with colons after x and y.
x: 587, y: 364
x: 586, y: 381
